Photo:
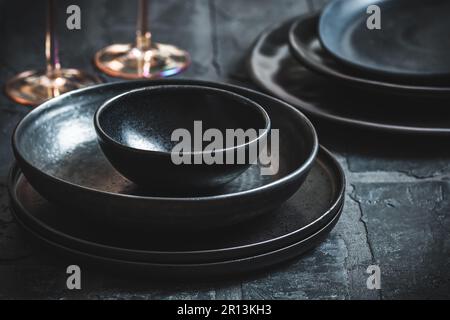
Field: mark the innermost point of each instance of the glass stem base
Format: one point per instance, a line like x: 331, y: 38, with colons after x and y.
x: 35, y: 87
x: 129, y: 62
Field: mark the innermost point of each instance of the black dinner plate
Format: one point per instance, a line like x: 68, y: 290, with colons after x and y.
x: 309, y: 210
x: 57, y: 150
x: 307, y: 48
x: 274, y: 69
x: 186, y: 271
x: 412, y: 41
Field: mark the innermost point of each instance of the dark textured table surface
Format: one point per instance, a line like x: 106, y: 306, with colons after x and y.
x: 397, y: 204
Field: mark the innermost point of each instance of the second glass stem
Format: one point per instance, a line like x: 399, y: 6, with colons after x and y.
x: 143, y: 35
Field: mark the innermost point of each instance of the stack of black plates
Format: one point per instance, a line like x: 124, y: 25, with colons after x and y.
x: 65, y: 194
x: 333, y: 67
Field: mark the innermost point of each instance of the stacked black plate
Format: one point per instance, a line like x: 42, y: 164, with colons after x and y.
x: 66, y: 194
x: 339, y: 66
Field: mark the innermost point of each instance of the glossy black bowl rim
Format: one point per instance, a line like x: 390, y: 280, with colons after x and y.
x: 336, y: 205
x: 307, y: 164
x: 237, y: 97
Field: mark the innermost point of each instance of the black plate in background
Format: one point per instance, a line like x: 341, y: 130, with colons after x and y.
x: 307, y: 48
x: 412, y: 42
x: 274, y: 69
x: 309, y: 210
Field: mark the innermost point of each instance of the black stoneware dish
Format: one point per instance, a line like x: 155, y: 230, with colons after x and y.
x: 307, y: 48
x: 202, y: 271
x: 307, y: 211
x: 135, y: 132
x: 185, y: 271
x: 56, y: 148
x: 274, y: 69
x: 412, y: 42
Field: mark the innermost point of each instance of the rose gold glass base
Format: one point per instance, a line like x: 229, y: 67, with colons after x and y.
x: 129, y: 62
x: 35, y: 87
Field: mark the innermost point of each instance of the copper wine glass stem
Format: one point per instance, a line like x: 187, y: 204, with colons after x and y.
x: 51, y: 42
x: 143, y: 59
x: 33, y: 87
x: 143, y: 35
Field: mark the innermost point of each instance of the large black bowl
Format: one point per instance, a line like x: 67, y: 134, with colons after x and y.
x: 56, y: 148
x: 138, y: 130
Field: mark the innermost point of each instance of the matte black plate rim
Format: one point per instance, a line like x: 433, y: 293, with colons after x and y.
x: 307, y: 164
x: 386, y: 85
x: 251, y: 259
x: 328, y: 11
x: 336, y: 202
x: 311, y: 110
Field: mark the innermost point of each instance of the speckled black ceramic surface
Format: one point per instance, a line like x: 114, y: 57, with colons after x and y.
x: 307, y: 48
x: 57, y: 150
x: 135, y: 133
x: 274, y: 69
x: 311, y: 208
x: 412, y: 40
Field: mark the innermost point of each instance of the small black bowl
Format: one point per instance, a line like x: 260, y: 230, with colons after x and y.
x: 135, y: 131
